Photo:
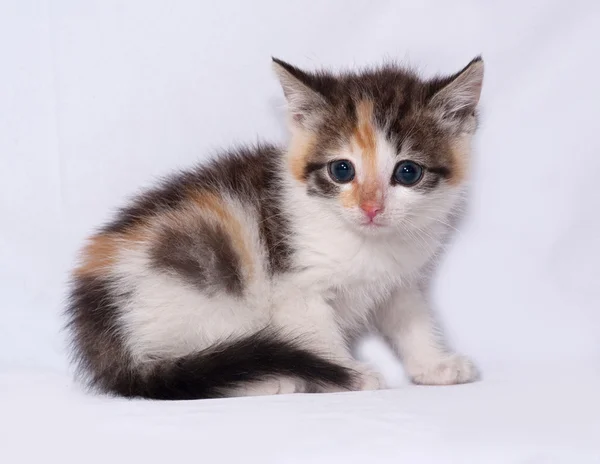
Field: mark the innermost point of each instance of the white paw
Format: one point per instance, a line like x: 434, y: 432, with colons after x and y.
x: 452, y: 370
x: 278, y: 386
x: 367, y: 378
x: 288, y: 385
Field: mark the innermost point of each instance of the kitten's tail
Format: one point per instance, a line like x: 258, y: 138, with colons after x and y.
x: 216, y: 371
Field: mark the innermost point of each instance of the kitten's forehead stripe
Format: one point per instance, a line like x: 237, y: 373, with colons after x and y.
x: 365, y: 138
x: 365, y: 132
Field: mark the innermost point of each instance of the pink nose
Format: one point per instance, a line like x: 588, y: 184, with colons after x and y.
x: 371, y: 209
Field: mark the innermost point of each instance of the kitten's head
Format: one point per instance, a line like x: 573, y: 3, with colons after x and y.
x: 383, y: 149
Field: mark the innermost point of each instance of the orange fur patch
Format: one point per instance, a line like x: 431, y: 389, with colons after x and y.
x: 364, y: 138
x: 98, y: 255
x: 299, y: 152
x: 351, y: 197
x: 101, y: 251
x: 460, y: 150
x: 364, y: 134
x: 215, y: 205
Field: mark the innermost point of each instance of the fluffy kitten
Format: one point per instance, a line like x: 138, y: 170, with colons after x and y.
x: 251, y: 274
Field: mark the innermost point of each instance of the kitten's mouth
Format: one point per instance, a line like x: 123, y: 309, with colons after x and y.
x: 372, y: 225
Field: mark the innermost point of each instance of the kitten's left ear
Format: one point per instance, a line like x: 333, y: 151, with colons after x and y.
x: 459, y: 94
x: 305, y: 104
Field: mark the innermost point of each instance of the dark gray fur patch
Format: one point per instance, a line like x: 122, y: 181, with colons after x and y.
x: 93, y: 322
x: 312, y: 167
x: 319, y: 184
x: 203, y: 255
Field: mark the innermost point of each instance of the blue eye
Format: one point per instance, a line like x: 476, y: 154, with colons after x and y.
x: 341, y: 171
x: 407, y: 173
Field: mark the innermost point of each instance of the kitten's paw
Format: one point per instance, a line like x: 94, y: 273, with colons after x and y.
x: 367, y: 378
x: 278, y: 386
x: 452, y: 370
x: 287, y: 386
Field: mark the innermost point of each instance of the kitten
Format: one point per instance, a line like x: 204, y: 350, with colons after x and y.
x: 251, y: 274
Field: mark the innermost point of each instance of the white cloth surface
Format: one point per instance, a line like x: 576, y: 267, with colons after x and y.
x: 518, y: 416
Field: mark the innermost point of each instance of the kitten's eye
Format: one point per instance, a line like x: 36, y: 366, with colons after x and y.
x: 407, y: 173
x: 341, y: 171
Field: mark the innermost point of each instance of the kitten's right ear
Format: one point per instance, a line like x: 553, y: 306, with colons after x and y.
x: 305, y: 105
x: 460, y: 93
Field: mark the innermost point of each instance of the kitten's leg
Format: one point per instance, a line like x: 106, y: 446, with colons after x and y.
x: 406, y: 321
x: 313, y: 320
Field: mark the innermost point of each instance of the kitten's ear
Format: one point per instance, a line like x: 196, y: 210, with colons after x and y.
x: 305, y: 105
x: 459, y: 94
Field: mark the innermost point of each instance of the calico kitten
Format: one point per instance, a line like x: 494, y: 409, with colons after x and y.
x: 250, y: 274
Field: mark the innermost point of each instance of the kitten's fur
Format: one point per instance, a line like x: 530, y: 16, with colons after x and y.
x: 250, y: 274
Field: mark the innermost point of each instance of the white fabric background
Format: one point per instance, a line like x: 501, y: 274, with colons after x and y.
x: 99, y: 97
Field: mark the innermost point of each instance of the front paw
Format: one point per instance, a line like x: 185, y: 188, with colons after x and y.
x: 367, y: 378
x: 451, y: 370
x: 364, y: 378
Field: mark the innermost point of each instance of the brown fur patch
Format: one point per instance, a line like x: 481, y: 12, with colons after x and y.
x: 299, y: 153
x: 215, y: 205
